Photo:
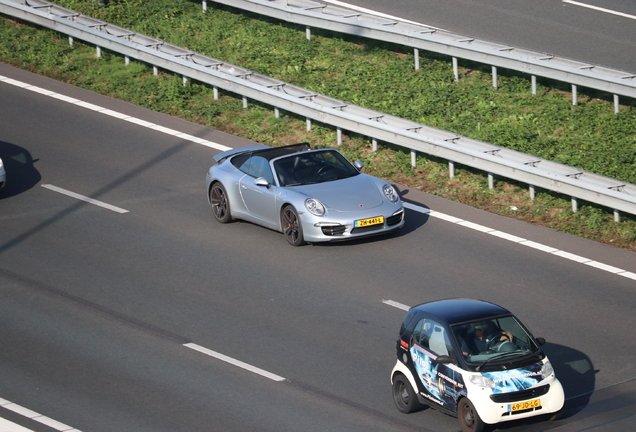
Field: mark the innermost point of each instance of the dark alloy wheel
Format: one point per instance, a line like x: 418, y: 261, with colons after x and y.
x: 468, y: 418
x: 404, y: 396
x: 292, y: 228
x: 220, y: 203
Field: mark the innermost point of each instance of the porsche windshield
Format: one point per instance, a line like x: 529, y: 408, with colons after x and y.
x: 494, y: 340
x: 313, y: 167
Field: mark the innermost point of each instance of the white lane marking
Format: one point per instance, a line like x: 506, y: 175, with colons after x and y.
x: 600, y: 9
x: 112, y: 113
x: 396, y: 305
x: 25, y: 412
x: 84, y: 198
x: 372, y: 12
x: 448, y: 218
x: 522, y: 241
x: 234, y: 362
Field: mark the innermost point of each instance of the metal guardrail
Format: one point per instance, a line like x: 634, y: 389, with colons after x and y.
x: 349, y: 21
x: 417, y: 137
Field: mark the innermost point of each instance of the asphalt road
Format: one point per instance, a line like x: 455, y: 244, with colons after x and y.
x: 567, y: 29
x: 98, y: 308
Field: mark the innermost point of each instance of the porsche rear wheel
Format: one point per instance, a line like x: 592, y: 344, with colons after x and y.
x: 292, y: 227
x: 404, y: 396
x: 468, y: 417
x: 220, y: 203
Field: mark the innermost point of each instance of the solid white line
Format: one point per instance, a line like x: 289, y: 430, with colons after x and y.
x: 522, y: 241
x: 85, y: 198
x: 111, y: 113
x: 600, y: 9
x: 372, y: 12
x: 25, y: 412
x: 234, y: 362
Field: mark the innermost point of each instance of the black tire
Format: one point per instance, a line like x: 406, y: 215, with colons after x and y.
x: 291, y: 226
x: 468, y: 417
x: 404, y: 396
x: 220, y: 203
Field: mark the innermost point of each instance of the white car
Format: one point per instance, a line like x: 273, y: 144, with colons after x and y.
x: 474, y: 360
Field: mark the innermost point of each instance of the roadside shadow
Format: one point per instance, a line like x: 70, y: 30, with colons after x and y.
x: 21, y: 172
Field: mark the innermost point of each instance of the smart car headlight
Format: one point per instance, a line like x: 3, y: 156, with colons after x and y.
x: 482, y: 381
x: 314, y: 207
x: 390, y: 193
x: 547, y: 369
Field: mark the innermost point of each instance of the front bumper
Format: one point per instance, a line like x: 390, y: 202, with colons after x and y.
x: 325, y: 230
x: 497, y: 408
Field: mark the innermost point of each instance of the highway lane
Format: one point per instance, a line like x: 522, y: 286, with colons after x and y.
x: 556, y: 27
x: 102, y: 302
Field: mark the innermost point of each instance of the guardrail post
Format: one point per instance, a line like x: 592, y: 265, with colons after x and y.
x: 155, y: 71
x: 494, y: 77
x: 215, y: 92
x: 413, y: 158
x: 244, y: 102
x: 451, y: 169
x: 374, y: 144
x: 204, y: 6
x: 416, y: 54
x: 276, y: 112
x: 575, y: 98
x: 617, y: 216
x: 308, y: 32
x: 534, y: 84
x: 575, y: 205
x: 532, y: 192
x: 98, y: 51
x: 455, y: 69
x: 617, y: 107
x: 491, y: 181
x: 126, y: 60
x: 70, y: 41
x: 339, y: 135
x: 308, y: 124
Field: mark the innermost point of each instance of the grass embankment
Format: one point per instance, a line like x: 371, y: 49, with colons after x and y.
x: 367, y: 73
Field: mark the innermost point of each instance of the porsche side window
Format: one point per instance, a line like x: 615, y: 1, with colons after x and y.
x: 239, y: 161
x: 258, y: 166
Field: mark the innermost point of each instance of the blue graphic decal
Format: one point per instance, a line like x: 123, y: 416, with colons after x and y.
x: 516, y: 379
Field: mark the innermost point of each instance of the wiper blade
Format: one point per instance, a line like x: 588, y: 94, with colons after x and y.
x: 496, y: 357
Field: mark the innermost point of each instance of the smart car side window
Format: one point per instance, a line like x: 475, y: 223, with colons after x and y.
x: 434, y: 337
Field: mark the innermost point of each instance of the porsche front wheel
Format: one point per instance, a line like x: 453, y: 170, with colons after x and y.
x: 291, y: 226
x: 220, y: 203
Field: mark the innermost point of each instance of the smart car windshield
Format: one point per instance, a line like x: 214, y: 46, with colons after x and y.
x: 313, y: 167
x: 498, y: 339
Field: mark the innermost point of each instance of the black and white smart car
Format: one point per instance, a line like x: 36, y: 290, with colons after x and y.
x: 474, y: 360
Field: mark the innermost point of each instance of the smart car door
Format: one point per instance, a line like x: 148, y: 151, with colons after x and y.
x: 432, y: 352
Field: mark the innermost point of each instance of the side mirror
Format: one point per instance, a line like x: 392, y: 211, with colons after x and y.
x: 540, y: 340
x: 261, y: 182
x: 359, y: 165
x: 444, y: 359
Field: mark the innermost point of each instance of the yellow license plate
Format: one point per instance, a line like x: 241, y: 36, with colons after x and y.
x: 367, y: 222
x: 520, y: 406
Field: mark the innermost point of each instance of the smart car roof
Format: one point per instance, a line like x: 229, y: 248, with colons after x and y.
x: 455, y: 311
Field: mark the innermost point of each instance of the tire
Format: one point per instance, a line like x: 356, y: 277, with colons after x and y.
x: 468, y: 417
x: 220, y: 203
x: 291, y: 226
x: 404, y: 396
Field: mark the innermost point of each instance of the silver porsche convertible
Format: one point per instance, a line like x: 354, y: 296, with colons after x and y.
x: 310, y: 195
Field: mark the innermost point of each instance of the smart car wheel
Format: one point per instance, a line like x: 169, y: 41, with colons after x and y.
x: 468, y: 418
x: 404, y: 396
x: 292, y: 228
x: 220, y: 203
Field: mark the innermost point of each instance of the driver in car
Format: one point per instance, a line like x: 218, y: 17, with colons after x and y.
x: 485, y: 334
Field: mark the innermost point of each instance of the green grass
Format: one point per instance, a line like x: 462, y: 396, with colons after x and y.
x: 367, y: 73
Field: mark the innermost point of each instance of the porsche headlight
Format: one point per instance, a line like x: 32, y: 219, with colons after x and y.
x: 390, y: 193
x: 314, y: 207
x: 482, y: 381
x: 547, y: 370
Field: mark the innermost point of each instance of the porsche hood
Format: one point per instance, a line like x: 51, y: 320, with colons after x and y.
x: 352, y: 194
